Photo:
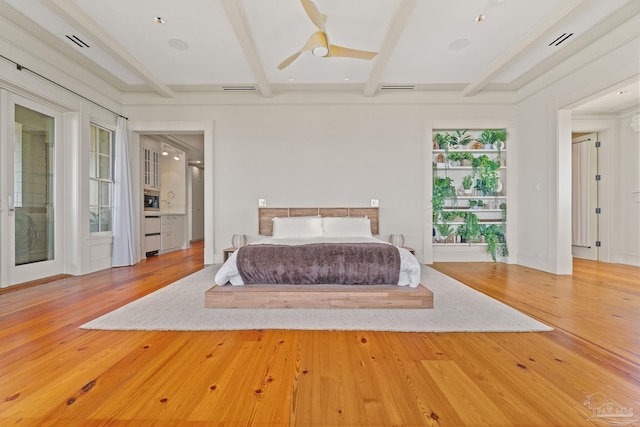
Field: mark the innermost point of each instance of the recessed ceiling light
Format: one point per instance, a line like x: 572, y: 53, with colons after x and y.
x: 459, y: 44
x: 346, y: 79
x: 621, y: 92
x: 498, y: 1
x: 291, y: 79
x: 165, y: 153
x: 479, y: 18
x: 158, y: 20
x: 178, y: 44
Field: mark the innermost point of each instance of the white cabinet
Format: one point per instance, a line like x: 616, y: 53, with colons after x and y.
x: 172, y: 232
x: 151, y: 167
x: 469, y: 195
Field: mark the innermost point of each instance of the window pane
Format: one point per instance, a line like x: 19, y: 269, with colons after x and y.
x: 105, y: 142
x: 105, y: 194
x: 33, y: 165
x: 94, y: 220
x: 105, y: 219
x: 105, y: 167
x: 93, y: 193
x: 93, y: 172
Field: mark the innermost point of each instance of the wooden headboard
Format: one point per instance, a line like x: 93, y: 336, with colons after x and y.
x: 266, y: 215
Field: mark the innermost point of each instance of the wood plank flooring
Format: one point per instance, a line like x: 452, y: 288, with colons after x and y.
x: 54, y: 374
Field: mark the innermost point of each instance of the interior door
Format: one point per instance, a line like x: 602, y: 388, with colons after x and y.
x: 585, y: 220
x: 33, y: 244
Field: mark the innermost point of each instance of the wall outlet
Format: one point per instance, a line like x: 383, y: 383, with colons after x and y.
x: 262, y: 202
x: 374, y: 203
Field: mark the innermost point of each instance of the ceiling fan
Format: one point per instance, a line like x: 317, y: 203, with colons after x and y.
x: 318, y: 44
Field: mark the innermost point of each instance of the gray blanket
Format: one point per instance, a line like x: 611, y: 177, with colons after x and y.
x: 320, y: 263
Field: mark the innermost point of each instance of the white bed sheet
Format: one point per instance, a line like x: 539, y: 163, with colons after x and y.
x: 409, y: 265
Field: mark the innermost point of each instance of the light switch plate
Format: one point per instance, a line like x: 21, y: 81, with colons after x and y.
x: 374, y: 203
x: 262, y: 202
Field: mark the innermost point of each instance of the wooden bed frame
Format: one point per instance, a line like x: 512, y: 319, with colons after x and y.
x: 317, y: 296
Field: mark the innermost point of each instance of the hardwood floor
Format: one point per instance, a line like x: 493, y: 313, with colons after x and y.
x: 54, y: 374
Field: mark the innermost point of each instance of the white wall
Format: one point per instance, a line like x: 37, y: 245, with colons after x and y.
x: 626, y: 222
x: 320, y: 155
x: 544, y: 127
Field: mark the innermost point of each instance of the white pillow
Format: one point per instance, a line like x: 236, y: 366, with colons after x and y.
x: 297, y: 227
x: 346, y: 227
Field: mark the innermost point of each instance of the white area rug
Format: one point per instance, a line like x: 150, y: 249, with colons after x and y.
x: 180, y: 307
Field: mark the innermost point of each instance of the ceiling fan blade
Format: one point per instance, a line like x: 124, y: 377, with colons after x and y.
x: 314, y: 14
x: 345, y: 52
x: 289, y: 60
x: 317, y: 39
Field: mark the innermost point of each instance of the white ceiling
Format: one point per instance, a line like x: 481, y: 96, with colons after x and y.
x: 210, y: 44
x: 217, y: 45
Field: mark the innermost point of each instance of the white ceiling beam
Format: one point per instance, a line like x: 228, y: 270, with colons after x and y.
x: 396, y: 27
x: 524, y: 44
x: 71, y: 13
x: 238, y: 19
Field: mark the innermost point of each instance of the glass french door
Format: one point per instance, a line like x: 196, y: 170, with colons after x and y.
x: 33, y: 244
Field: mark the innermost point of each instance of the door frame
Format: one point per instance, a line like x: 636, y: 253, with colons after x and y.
x: 206, y: 127
x: 607, y: 134
x: 10, y: 274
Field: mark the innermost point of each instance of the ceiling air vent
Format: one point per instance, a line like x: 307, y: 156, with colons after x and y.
x: 78, y: 41
x: 560, y: 39
x: 397, y: 87
x: 240, y: 88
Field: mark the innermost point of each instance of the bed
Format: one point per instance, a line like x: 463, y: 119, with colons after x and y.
x: 347, y: 231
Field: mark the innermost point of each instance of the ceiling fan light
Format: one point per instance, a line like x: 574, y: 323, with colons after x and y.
x: 320, y: 51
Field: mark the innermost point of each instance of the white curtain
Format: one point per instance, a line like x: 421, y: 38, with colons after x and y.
x: 124, y: 252
x: 580, y: 161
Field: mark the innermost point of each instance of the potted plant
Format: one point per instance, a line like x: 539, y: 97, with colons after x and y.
x: 470, y: 230
x: 488, y: 138
x: 445, y: 231
x: 443, y: 140
x: 465, y: 159
x: 476, y: 204
x: 467, y: 183
x: 461, y: 138
x: 501, y: 139
x: 454, y: 159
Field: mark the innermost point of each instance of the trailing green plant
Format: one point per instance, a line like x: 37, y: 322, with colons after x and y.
x: 449, y: 216
x: 442, y: 190
x: 486, y: 172
x: 496, y: 241
x: 470, y: 229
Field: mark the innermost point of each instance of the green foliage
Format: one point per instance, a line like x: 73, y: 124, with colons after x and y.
x: 496, y: 241
x: 470, y: 230
x: 461, y: 137
x: 476, y: 203
x: 488, y: 136
x: 443, y: 140
x: 467, y: 182
x: 486, y: 172
x: 442, y: 189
